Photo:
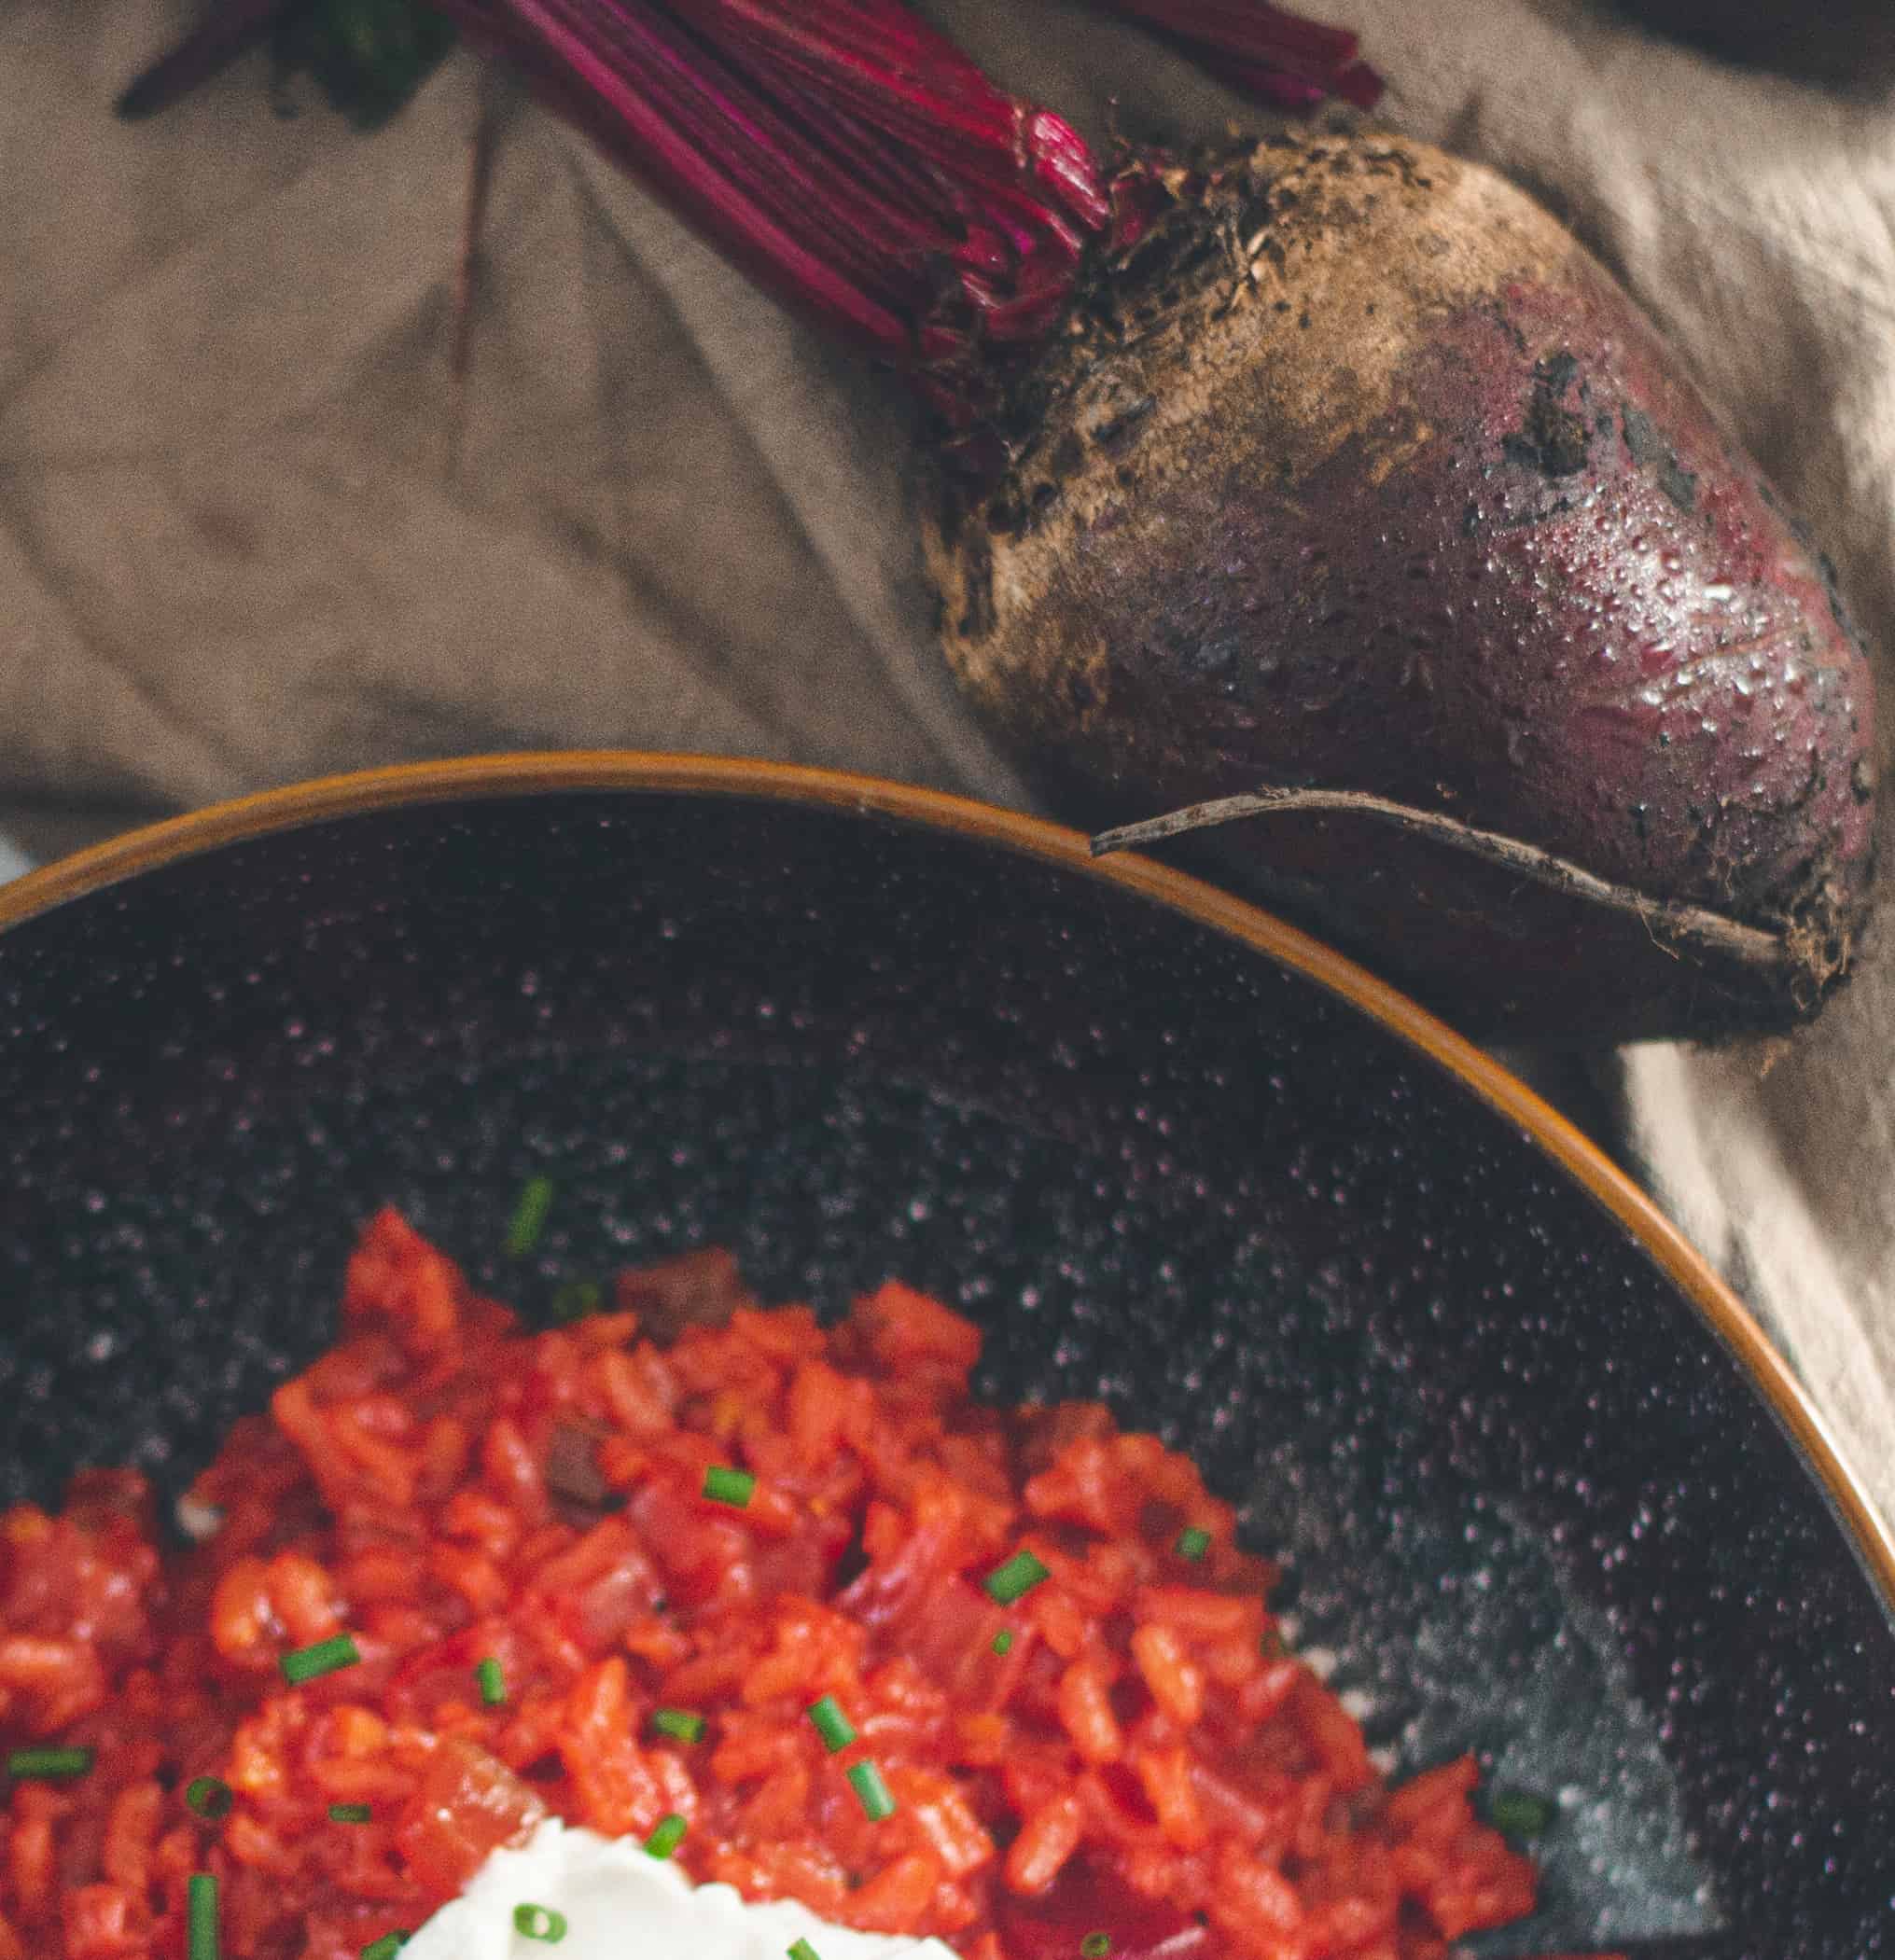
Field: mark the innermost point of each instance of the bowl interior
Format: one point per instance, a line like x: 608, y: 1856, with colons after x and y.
x: 1530, y: 1502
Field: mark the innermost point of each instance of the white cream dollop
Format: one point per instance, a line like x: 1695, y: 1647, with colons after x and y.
x: 620, y: 1903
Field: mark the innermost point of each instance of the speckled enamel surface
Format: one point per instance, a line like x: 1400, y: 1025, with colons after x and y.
x: 1525, y: 1495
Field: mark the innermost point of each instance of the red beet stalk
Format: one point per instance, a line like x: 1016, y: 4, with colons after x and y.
x: 233, y: 30
x: 847, y: 157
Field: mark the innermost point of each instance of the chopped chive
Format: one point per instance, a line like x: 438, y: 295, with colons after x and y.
x: 350, y: 1813
x: 540, y: 1923
x: 836, y: 1730
x: 680, y: 1724
x: 1192, y: 1544
x: 201, y: 1916
x: 1519, y: 1813
x: 724, y: 1485
x: 385, y: 1948
x: 1003, y: 1642
x: 866, y: 1780
x: 43, y: 1765
x: 529, y: 1216
x: 668, y: 1836
x: 803, y: 1950
x: 1096, y: 1946
x: 1016, y: 1578
x: 210, y: 1797
x: 492, y: 1683
x: 326, y: 1657
x: 575, y: 1300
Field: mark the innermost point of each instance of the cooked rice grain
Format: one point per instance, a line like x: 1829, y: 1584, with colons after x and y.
x: 1140, y: 1747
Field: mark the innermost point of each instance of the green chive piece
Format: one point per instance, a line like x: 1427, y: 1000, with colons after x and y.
x: 46, y: 1765
x: 529, y: 1216
x: 201, y: 1916
x: 668, y: 1836
x: 680, y: 1724
x: 326, y: 1657
x: 1096, y: 1946
x: 350, y: 1813
x: 540, y: 1923
x: 492, y: 1683
x: 803, y: 1950
x: 1192, y: 1544
x: 877, y: 1802
x: 575, y: 1300
x: 724, y: 1485
x: 1003, y: 1642
x: 385, y: 1948
x: 210, y: 1797
x: 1016, y: 1578
x: 1519, y: 1813
x: 836, y: 1730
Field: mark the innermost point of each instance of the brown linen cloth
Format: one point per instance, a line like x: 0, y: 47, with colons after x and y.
x: 251, y: 531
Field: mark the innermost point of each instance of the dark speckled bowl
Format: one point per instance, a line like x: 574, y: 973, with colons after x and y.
x: 1539, y: 1482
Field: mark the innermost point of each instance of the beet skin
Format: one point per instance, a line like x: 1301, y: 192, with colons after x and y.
x: 1360, y: 474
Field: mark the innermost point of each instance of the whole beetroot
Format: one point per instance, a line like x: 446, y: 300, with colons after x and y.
x: 1360, y: 483
x: 1328, y: 493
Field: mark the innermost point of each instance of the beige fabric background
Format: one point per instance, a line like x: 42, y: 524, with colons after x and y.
x: 249, y: 530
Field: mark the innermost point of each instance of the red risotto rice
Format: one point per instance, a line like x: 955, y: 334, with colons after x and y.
x: 465, y: 1576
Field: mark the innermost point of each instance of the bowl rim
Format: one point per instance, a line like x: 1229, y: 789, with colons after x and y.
x: 399, y: 785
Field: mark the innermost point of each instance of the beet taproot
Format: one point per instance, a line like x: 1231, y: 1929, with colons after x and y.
x: 1358, y: 480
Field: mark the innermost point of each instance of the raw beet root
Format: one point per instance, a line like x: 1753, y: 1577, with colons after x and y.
x: 1331, y: 481
x: 1358, y: 473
